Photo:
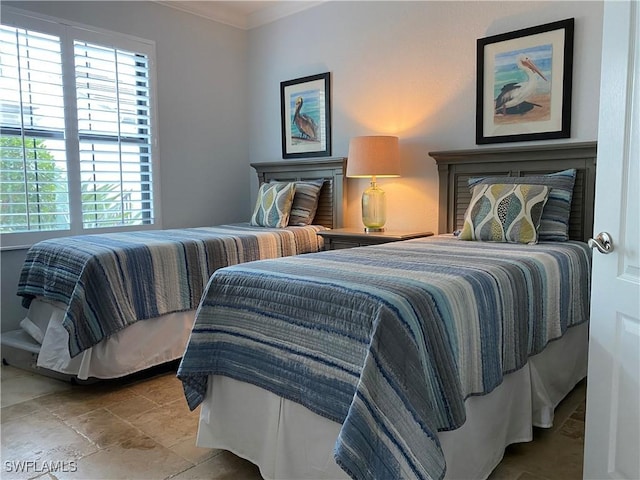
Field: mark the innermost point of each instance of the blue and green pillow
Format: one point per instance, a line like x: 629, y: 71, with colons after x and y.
x: 505, y: 213
x: 554, y: 225
x: 273, y: 205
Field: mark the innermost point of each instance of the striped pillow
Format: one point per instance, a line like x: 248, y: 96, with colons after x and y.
x: 554, y: 225
x: 273, y: 205
x: 505, y: 213
x: 305, y: 202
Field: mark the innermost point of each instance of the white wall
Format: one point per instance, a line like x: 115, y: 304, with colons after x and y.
x: 406, y: 69
x: 202, y: 116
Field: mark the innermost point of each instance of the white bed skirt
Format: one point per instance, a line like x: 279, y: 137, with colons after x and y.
x: 142, y: 345
x: 288, y: 441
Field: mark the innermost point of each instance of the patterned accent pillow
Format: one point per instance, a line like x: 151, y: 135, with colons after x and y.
x: 554, y: 226
x: 273, y: 205
x: 305, y: 202
x: 505, y: 213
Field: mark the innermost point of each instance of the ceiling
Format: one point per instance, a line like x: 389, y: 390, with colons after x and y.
x: 243, y: 14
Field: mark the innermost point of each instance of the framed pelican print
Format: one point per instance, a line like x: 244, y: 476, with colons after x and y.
x: 306, y: 116
x: 523, y: 89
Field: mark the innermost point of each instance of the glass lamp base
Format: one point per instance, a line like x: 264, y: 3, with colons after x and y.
x: 374, y: 209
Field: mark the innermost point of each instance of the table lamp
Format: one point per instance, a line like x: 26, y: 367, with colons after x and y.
x: 373, y: 156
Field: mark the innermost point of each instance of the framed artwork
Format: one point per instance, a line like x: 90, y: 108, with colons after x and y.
x: 523, y: 87
x: 305, y: 105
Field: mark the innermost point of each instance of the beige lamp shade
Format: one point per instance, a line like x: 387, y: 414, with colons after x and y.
x: 373, y: 156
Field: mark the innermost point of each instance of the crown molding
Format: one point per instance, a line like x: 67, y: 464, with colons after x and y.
x: 279, y: 10
x: 241, y: 14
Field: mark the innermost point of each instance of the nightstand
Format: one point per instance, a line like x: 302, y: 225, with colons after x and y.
x: 356, y: 237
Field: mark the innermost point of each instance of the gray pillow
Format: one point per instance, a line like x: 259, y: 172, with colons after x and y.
x: 305, y: 202
x: 554, y: 224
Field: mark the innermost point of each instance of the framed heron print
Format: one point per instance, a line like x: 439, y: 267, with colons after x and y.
x: 523, y: 89
x: 305, y: 105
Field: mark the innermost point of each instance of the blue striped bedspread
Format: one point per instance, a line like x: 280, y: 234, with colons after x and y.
x: 387, y: 340
x: 109, y: 281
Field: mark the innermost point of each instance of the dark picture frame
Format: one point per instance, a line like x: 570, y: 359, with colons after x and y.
x: 305, y: 105
x: 524, y: 81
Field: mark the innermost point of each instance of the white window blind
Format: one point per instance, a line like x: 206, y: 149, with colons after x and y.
x: 77, y: 140
x: 113, y: 128
x: 34, y: 193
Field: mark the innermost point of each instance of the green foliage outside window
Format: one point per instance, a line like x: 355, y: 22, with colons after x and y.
x: 36, y: 187
x: 39, y: 188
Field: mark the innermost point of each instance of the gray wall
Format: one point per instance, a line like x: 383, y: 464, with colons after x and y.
x: 401, y: 68
x: 202, y: 116
x: 406, y: 69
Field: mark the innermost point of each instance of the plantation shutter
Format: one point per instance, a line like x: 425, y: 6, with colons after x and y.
x: 77, y: 136
x: 33, y: 187
x: 113, y: 106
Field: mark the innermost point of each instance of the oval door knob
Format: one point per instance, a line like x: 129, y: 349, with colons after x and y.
x: 602, y: 242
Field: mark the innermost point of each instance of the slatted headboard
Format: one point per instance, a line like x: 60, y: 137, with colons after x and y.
x: 330, y: 211
x: 455, y: 167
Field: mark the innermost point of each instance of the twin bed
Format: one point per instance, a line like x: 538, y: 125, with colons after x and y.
x: 415, y: 359
x: 108, y: 305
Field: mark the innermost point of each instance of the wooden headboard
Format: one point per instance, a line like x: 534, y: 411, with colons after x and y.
x: 330, y: 211
x: 455, y: 167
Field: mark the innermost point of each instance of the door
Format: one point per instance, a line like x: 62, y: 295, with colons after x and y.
x: 612, y: 437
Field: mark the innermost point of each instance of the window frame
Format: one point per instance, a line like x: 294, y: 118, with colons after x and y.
x: 68, y: 32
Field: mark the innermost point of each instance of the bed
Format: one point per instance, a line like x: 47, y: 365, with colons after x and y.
x: 109, y: 305
x: 386, y: 361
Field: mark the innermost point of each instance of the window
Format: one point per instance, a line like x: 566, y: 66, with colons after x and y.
x: 77, y: 131
x: 34, y: 180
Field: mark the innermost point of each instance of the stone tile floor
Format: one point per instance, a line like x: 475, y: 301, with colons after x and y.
x: 141, y: 428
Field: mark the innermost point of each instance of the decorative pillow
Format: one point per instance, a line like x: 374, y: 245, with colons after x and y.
x: 505, y: 213
x: 305, y: 202
x: 273, y: 205
x: 554, y: 226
